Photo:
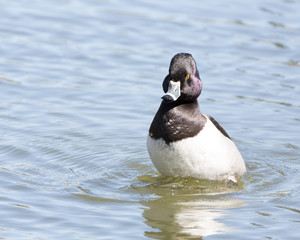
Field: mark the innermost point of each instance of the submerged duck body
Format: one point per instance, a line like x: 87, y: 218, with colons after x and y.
x: 184, y: 142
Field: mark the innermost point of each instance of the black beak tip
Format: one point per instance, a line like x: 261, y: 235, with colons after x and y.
x: 167, y: 98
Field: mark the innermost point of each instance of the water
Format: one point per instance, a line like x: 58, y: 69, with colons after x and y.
x: 80, y: 83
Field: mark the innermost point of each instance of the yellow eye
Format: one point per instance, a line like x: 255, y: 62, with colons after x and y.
x: 187, y: 76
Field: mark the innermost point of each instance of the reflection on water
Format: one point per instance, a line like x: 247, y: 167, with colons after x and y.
x: 200, y: 218
x: 188, y: 207
x: 193, y: 217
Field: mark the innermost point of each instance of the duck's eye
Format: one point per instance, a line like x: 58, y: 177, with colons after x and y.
x: 187, y: 76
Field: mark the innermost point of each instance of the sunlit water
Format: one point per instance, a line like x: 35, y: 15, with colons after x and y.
x: 80, y: 83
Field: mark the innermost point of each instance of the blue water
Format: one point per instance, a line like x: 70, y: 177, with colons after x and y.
x: 80, y: 83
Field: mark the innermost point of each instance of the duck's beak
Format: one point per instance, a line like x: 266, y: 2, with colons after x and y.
x: 173, y: 92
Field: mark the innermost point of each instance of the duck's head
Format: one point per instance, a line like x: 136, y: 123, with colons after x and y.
x: 183, y: 82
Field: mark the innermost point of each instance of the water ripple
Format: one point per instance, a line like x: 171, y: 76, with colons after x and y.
x: 80, y: 83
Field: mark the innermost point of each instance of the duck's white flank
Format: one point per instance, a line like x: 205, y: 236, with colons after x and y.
x: 208, y: 155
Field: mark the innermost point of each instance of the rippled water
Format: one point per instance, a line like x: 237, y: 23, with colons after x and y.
x: 80, y: 83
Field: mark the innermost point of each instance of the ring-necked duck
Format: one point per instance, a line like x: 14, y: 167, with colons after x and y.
x: 184, y: 142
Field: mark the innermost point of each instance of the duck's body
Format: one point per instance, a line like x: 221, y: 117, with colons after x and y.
x: 182, y: 141
x: 192, y: 145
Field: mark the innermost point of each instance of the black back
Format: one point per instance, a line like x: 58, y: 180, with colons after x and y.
x: 218, y: 126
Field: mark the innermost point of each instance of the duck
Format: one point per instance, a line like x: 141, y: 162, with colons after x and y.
x: 182, y: 141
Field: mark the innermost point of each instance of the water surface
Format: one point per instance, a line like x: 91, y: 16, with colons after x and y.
x: 80, y: 83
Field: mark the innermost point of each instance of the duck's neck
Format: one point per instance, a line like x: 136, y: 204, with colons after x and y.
x: 190, y: 108
x: 177, y: 120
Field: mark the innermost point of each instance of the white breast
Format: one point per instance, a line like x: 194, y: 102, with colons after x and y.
x: 208, y: 155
